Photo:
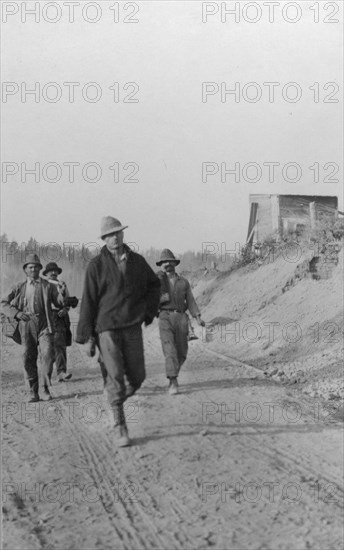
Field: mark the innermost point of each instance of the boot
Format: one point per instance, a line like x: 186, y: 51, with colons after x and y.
x: 173, y: 387
x: 33, y: 398
x: 33, y: 395
x: 129, y: 391
x: 121, y: 430
x: 46, y: 395
x: 63, y: 377
x: 192, y: 335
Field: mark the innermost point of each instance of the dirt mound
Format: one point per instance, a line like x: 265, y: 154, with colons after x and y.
x: 277, y: 317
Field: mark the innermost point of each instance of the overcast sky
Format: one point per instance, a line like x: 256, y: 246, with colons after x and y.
x: 169, y: 132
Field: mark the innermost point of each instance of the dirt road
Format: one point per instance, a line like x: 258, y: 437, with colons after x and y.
x: 213, y: 467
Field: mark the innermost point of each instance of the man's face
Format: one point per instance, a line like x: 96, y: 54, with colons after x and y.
x: 169, y: 266
x: 32, y: 271
x: 52, y: 274
x: 114, y: 241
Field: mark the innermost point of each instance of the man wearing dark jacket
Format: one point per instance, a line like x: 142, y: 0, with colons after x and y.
x: 120, y: 292
x: 62, y: 332
x: 29, y: 304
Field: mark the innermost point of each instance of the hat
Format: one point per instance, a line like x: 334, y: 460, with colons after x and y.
x: 167, y: 255
x: 110, y: 225
x: 51, y: 266
x: 32, y: 259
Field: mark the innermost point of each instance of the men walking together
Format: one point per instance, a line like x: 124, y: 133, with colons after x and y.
x: 176, y: 297
x: 30, y: 304
x: 121, y: 292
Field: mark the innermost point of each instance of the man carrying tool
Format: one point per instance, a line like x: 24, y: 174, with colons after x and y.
x: 176, y: 297
x: 62, y: 332
x: 29, y: 305
x: 121, y: 292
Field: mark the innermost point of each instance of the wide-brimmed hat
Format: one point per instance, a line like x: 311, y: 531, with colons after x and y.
x: 167, y: 255
x: 110, y: 225
x: 51, y: 266
x: 32, y: 259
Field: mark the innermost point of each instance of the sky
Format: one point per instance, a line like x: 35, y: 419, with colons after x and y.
x: 168, y: 149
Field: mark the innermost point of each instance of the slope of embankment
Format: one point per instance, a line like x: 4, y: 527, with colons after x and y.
x: 277, y: 317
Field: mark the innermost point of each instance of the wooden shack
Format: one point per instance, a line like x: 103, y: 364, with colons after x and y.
x: 273, y: 216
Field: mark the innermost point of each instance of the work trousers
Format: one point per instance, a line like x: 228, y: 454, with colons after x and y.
x: 174, y: 328
x: 60, y: 351
x: 35, y: 340
x: 122, y: 356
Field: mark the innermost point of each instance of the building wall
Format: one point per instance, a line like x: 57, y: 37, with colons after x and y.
x: 294, y: 213
x: 295, y: 209
x: 289, y: 212
x: 264, y: 227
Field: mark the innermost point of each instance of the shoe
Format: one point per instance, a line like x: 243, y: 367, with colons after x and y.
x: 173, y: 387
x: 33, y: 398
x: 121, y: 434
x: 63, y: 377
x: 46, y: 395
x: 121, y: 430
x: 129, y: 391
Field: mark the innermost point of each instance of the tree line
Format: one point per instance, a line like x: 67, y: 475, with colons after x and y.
x: 73, y: 259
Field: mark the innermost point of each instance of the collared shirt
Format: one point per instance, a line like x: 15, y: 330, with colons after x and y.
x: 33, y: 294
x: 181, y: 297
x: 34, y: 303
x: 172, y: 279
x: 121, y: 262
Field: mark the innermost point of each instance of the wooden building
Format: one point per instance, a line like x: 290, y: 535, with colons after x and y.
x: 272, y: 216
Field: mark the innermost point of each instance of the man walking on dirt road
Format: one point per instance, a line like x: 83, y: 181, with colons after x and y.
x: 30, y: 305
x: 176, y: 297
x: 62, y: 332
x: 121, y: 292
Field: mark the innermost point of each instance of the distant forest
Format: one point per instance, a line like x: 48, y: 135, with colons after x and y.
x: 73, y: 260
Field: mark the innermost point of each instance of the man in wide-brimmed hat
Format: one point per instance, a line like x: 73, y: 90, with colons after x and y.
x: 62, y: 332
x: 175, y: 299
x: 30, y: 304
x: 121, y: 292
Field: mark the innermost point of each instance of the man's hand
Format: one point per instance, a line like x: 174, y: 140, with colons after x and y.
x: 23, y: 316
x: 90, y: 347
x: 200, y: 321
x: 62, y: 313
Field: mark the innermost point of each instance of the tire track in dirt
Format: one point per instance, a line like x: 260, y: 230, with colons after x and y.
x: 113, y: 504
x: 299, y: 465
x: 25, y: 515
x: 133, y: 519
x: 284, y: 462
x: 177, y: 512
x: 171, y: 460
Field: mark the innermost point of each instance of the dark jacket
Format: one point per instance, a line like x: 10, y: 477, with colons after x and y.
x: 181, y: 297
x: 13, y: 302
x: 62, y: 325
x: 111, y: 300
